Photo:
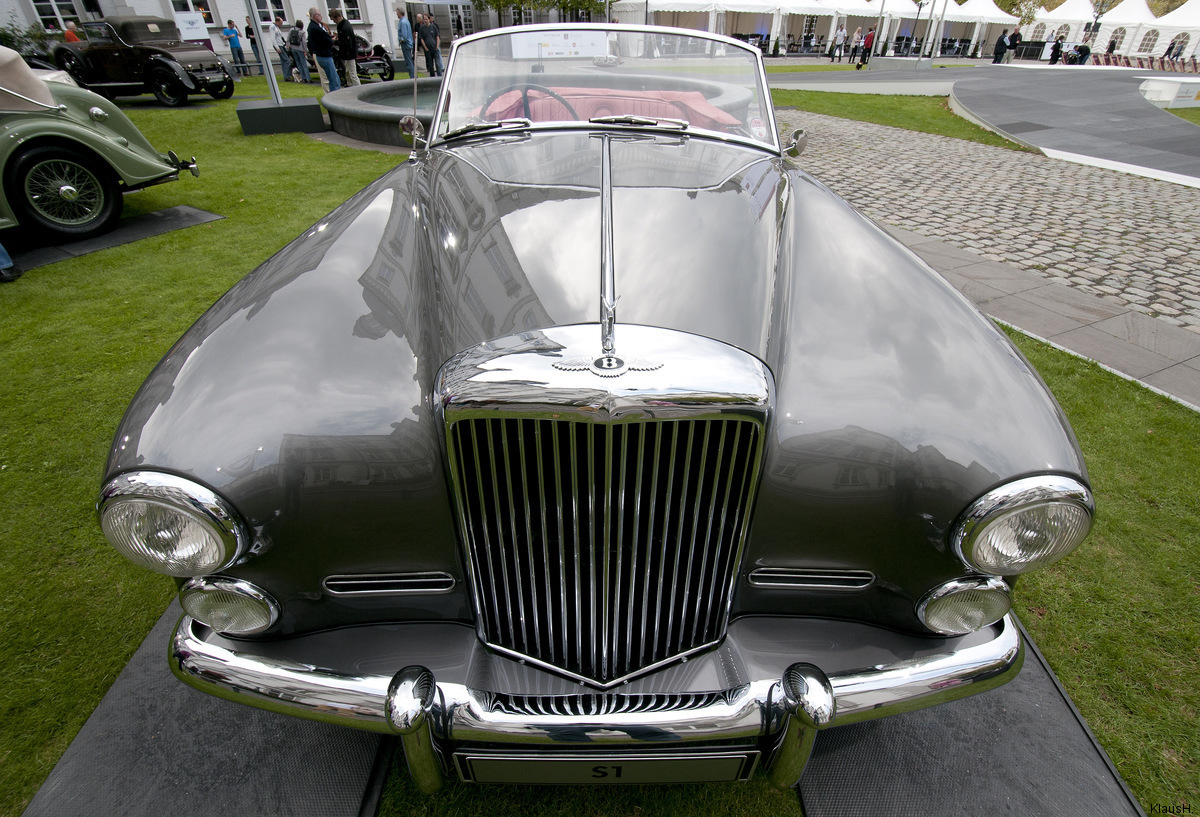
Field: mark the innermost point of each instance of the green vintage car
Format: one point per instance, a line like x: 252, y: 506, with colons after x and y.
x: 67, y: 156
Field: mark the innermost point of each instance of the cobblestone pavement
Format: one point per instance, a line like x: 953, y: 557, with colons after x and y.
x: 1130, y: 240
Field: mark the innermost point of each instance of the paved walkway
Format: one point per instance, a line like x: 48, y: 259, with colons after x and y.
x: 1099, y: 262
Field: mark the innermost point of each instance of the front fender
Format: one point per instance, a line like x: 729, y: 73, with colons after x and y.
x: 175, y: 68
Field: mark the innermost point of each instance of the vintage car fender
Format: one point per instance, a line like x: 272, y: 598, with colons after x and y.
x: 126, y: 150
x: 862, y: 339
x: 159, y: 61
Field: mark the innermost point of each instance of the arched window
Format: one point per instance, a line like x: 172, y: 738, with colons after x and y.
x: 1119, y: 35
x: 1063, y: 31
x: 1149, y: 41
x: 1180, y: 44
x: 1039, y: 31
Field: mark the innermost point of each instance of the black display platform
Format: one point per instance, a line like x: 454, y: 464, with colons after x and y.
x: 1021, y: 749
x: 155, y: 746
x: 127, y: 230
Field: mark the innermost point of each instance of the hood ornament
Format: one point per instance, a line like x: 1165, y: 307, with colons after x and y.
x: 609, y: 364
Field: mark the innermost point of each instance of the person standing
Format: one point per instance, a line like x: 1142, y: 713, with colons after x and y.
x: 299, y: 52
x: 253, y: 38
x: 279, y: 43
x: 404, y: 34
x: 1001, y: 47
x: 347, y: 48
x: 431, y: 42
x: 1014, y: 40
x: 230, y: 35
x: 839, y: 43
x: 69, y: 35
x: 1056, y: 50
x: 855, y: 44
x: 9, y: 269
x: 320, y: 45
x: 868, y: 44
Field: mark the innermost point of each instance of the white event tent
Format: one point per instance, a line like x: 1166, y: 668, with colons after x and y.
x: 1071, y: 16
x: 1182, y: 22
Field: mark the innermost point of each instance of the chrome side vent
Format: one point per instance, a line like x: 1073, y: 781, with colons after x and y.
x: 388, y: 584
x: 800, y: 579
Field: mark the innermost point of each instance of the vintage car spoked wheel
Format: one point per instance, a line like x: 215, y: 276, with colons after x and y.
x: 525, y: 88
x: 168, y: 90
x: 73, y: 66
x: 64, y: 192
x: 389, y: 71
x: 223, y: 91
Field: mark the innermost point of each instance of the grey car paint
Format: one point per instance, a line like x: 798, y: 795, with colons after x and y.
x: 897, y: 401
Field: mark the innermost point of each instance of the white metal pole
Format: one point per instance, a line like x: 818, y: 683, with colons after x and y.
x: 264, y: 52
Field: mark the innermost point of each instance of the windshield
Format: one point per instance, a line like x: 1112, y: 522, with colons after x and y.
x: 619, y: 76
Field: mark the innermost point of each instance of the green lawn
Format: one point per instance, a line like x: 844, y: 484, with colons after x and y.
x: 1118, y: 620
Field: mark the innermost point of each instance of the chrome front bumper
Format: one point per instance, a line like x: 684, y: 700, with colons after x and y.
x: 436, y: 710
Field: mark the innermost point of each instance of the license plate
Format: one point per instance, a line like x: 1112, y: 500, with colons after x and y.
x: 374, y: 70
x: 575, y: 769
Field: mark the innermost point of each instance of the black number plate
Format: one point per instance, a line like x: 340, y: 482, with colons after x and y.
x: 575, y: 769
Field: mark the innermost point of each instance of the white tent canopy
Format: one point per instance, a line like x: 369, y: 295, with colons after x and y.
x: 1184, y: 20
x: 1129, y: 13
x: 984, y: 11
x: 1072, y: 11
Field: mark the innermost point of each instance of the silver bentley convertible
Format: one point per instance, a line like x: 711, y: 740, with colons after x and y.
x: 596, y: 442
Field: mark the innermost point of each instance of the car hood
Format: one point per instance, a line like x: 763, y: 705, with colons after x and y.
x: 896, y: 401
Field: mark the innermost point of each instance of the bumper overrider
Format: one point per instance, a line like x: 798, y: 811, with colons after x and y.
x: 496, y: 725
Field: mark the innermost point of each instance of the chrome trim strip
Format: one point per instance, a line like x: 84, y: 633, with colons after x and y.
x: 608, y: 275
x: 60, y: 108
x: 364, y: 701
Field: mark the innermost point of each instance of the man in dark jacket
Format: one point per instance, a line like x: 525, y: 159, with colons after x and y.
x: 347, y: 48
x: 1001, y: 47
x: 430, y: 41
x: 320, y: 45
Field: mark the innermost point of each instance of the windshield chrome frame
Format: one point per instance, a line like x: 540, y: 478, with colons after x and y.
x: 774, y: 147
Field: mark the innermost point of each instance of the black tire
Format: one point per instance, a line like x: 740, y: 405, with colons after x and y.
x: 63, y: 192
x: 167, y: 88
x: 389, y: 70
x: 223, y: 91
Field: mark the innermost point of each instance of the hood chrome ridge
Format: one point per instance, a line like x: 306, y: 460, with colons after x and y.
x: 603, y: 520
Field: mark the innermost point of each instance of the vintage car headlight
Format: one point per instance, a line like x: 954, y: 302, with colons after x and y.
x: 229, y: 606
x: 1024, y: 525
x: 964, y: 605
x: 169, y: 524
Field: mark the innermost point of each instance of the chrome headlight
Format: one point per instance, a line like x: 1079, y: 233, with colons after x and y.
x: 964, y: 605
x: 169, y: 524
x: 229, y: 606
x: 1024, y: 525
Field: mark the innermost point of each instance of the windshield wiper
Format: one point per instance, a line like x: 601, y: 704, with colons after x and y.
x: 644, y: 121
x: 476, y: 127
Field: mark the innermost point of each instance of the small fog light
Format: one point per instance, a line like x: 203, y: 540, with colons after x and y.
x: 229, y: 606
x: 964, y: 605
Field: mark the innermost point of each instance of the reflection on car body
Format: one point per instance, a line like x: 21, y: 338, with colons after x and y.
x: 609, y: 440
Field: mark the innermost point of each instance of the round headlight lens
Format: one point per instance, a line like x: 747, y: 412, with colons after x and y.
x: 964, y: 605
x: 229, y: 606
x: 170, y: 525
x: 1025, y: 525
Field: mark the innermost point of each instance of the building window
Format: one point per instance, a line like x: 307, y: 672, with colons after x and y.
x: 1119, y: 36
x: 1179, y: 44
x: 1063, y: 31
x: 350, y: 8
x: 1149, y: 41
x: 55, y: 14
x: 268, y: 10
x: 462, y: 19
x: 202, y: 6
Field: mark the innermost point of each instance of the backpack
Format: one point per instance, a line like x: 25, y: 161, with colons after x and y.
x: 295, y: 38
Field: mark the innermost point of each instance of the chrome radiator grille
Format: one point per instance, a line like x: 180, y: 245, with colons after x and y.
x: 603, y: 549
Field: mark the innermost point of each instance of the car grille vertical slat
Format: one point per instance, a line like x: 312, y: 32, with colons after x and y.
x: 630, y: 560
